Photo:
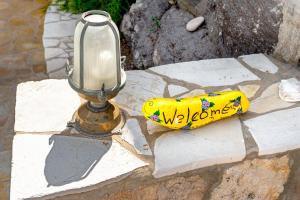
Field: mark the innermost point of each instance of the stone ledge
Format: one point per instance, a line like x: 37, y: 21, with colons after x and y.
x: 174, y: 151
x: 45, y: 165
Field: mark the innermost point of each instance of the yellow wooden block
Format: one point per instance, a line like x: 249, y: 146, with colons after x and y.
x: 193, y: 112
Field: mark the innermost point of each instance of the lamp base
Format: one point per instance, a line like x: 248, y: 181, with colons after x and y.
x: 97, y: 122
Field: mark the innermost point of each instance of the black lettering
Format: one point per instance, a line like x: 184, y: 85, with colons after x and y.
x: 194, y: 116
x: 225, y: 109
x: 180, y: 119
x: 188, y: 115
x: 214, y: 112
x: 169, y: 120
x: 205, y: 114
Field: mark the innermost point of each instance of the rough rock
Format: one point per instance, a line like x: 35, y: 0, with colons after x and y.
x: 254, y: 179
x: 289, y: 33
x: 289, y: 90
x: 180, y: 188
x: 140, y: 26
x: 195, y: 7
x: 181, y: 45
x: 244, y: 27
x: 194, y: 23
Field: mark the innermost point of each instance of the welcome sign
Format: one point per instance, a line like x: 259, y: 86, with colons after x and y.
x: 193, y: 112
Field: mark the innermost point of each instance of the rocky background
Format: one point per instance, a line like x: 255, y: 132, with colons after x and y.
x: 157, y: 32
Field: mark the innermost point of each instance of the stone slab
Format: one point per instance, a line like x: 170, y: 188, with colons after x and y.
x: 44, y: 106
x: 260, y: 62
x: 249, y: 90
x: 52, y: 17
x: 5, y: 165
x: 184, y: 150
x: 140, y: 86
x: 132, y: 134
x: 53, y: 52
x: 56, y: 64
x: 268, y: 101
x: 277, y: 131
x: 153, y: 128
x: 176, y: 89
x: 59, y: 29
x: 192, y: 93
x: 213, y: 72
x: 57, y: 165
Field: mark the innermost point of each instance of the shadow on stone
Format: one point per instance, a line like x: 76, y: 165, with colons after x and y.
x: 72, y: 159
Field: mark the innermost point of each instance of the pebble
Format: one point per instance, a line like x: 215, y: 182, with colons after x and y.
x: 193, y: 24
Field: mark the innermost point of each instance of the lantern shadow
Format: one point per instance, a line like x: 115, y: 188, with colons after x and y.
x: 72, y: 159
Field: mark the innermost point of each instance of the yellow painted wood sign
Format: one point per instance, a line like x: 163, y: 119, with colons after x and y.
x: 193, y: 112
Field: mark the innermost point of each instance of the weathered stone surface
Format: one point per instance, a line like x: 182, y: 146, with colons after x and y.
x: 4, y: 190
x: 140, y: 26
x: 176, y: 89
x: 276, y: 132
x: 195, y: 7
x: 268, y: 101
x: 140, y: 86
x: 254, y: 179
x: 179, y: 188
x: 52, y: 17
x: 250, y: 30
x: 63, y: 164
x: 5, y: 164
x: 133, y: 134
x: 53, y: 52
x: 181, y: 45
x: 50, y: 42
x: 289, y: 90
x: 193, y: 24
x: 59, y: 29
x: 154, y: 128
x: 56, y: 64
x: 288, y: 46
x: 44, y: 106
x: 195, y: 92
x: 176, y: 188
x: 249, y: 90
x: 3, y: 5
x: 221, y: 142
x: 214, y: 72
x: 260, y: 62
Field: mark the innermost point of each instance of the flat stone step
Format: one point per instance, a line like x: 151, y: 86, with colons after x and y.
x: 50, y: 165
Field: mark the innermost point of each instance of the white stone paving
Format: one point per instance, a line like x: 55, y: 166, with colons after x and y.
x: 58, y: 35
x: 176, y: 89
x: 268, y: 101
x: 195, y: 92
x: 154, y: 128
x: 180, y: 151
x: 49, y: 164
x: 140, y: 86
x: 260, y: 62
x: 44, y: 106
x: 214, y: 72
x: 133, y: 135
x: 249, y: 90
x: 277, y: 131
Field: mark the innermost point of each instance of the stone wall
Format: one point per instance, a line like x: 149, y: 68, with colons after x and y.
x: 288, y: 47
x: 21, y: 58
x: 21, y: 29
